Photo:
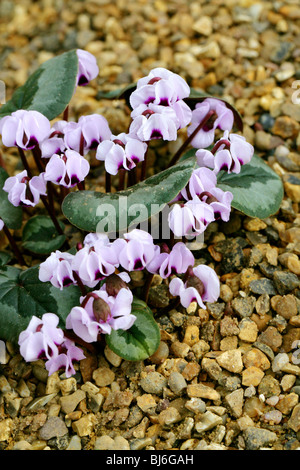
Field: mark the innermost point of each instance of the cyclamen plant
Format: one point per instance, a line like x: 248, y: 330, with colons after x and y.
x: 80, y: 294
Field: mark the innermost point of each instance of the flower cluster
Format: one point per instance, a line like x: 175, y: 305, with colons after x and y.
x: 43, y: 339
x: 158, y: 106
x: 199, y: 204
x: 101, y: 267
x: 98, y: 259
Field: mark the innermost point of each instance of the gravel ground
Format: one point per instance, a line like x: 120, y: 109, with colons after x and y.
x: 223, y: 378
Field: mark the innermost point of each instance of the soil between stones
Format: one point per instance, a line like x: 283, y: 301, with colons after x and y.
x: 226, y: 377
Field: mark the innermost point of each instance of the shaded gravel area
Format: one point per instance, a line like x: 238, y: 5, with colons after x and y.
x: 227, y: 377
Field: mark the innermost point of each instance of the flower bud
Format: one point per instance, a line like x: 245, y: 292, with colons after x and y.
x: 101, y: 310
x: 114, y: 284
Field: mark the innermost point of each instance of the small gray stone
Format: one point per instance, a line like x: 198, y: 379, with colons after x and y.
x: 262, y: 286
x: 177, y: 383
x: 244, y: 306
x: 285, y: 282
x: 22, y: 445
x: 280, y: 361
x: 54, y: 427
x: 75, y: 443
x: 196, y: 405
x: 207, y: 421
x: 256, y: 438
x: 69, y: 402
x: 154, y: 382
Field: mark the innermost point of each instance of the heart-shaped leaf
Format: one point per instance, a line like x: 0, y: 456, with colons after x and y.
x: 257, y: 190
x: 40, y: 236
x: 23, y: 295
x: 141, y: 340
x: 11, y: 215
x: 49, y: 89
x: 94, y: 211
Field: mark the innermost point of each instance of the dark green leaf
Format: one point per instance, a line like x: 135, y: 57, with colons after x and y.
x: 5, y: 257
x: 49, y: 89
x: 40, y: 236
x: 257, y: 190
x: 141, y: 340
x: 91, y: 210
x: 118, y: 94
x: 11, y: 215
x: 23, y: 295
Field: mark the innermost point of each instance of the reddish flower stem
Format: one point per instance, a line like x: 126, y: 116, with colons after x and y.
x: 87, y: 298
x: 79, y: 283
x: 14, y: 246
x: 43, y: 198
x: 107, y: 182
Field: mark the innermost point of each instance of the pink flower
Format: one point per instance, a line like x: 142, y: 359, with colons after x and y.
x: 203, y: 285
x: 229, y: 154
x: 41, y: 338
x: 222, y: 118
x: 163, y: 82
x: 121, y: 152
x: 24, y: 129
x: 87, y: 67
x: 54, y: 144
x: 154, y: 122
x: 190, y: 218
x: 97, y: 259
x: 1, y: 224
x: 57, y: 269
x: 23, y: 190
x: 67, y: 169
x: 87, y: 133
x: 175, y: 261
x: 202, y: 184
x: 68, y: 353
x: 100, y: 313
x: 164, y: 89
x: 137, y: 250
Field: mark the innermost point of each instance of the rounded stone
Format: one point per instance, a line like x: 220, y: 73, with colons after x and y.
x: 54, y: 427
x: 153, y: 382
x: 255, y: 357
x: 103, y: 376
x: 160, y: 354
x: 177, y: 383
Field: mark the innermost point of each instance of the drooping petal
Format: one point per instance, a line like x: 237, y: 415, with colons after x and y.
x: 82, y: 324
x: 210, y: 281
x: 87, y: 67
